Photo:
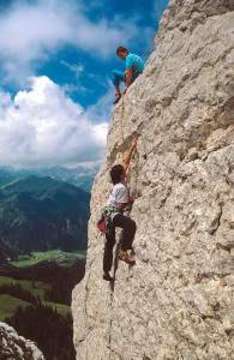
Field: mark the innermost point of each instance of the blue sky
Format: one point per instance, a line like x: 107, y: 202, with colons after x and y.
x: 65, y: 49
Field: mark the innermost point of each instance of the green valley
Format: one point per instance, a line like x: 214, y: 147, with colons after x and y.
x: 8, y: 306
x: 58, y: 256
x: 43, y: 239
x: 37, y: 288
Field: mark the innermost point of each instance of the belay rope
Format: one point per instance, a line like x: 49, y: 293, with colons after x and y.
x: 121, y: 119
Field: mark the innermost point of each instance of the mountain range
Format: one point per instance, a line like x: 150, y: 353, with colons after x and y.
x: 41, y: 213
x: 79, y: 176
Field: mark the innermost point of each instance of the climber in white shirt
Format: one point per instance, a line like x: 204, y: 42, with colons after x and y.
x: 118, y: 201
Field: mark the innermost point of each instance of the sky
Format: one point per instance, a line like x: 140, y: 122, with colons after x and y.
x: 56, y: 58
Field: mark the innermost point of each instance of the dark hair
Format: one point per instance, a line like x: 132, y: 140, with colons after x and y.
x: 121, y: 49
x: 116, y: 172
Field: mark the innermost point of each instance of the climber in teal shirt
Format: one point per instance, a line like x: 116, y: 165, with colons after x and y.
x: 134, y: 66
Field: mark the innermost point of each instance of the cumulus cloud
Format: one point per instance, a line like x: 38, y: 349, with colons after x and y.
x: 30, y: 32
x: 42, y: 126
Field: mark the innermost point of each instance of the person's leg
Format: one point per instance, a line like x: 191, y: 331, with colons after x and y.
x: 108, y: 250
x: 128, y: 233
x: 117, y: 78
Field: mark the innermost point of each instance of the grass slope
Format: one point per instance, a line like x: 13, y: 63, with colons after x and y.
x: 8, y: 306
x: 8, y: 303
x: 60, y: 257
x: 37, y: 288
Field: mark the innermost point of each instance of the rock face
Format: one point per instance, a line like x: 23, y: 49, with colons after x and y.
x: 15, y: 347
x: 177, y: 302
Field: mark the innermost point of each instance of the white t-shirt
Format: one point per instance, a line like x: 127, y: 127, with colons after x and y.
x: 119, y: 195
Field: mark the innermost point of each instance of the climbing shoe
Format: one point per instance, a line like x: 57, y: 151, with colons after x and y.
x: 124, y: 256
x: 107, y: 277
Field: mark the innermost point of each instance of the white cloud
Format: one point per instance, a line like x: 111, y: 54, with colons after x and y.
x: 31, y: 32
x: 41, y: 126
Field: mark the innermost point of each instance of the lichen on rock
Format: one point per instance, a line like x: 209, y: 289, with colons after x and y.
x: 177, y: 302
x: 15, y: 347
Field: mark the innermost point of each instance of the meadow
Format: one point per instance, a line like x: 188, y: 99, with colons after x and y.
x: 39, y: 289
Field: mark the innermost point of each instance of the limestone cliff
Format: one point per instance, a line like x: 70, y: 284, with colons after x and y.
x: 15, y: 347
x: 177, y: 302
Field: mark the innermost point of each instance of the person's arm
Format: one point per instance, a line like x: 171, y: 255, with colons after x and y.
x: 127, y: 157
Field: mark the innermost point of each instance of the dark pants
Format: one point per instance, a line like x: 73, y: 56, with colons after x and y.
x: 129, y: 228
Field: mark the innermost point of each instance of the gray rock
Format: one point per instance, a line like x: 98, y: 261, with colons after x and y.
x: 15, y: 347
x: 178, y: 301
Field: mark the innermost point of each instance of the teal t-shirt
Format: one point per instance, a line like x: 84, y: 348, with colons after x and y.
x: 134, y: 61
